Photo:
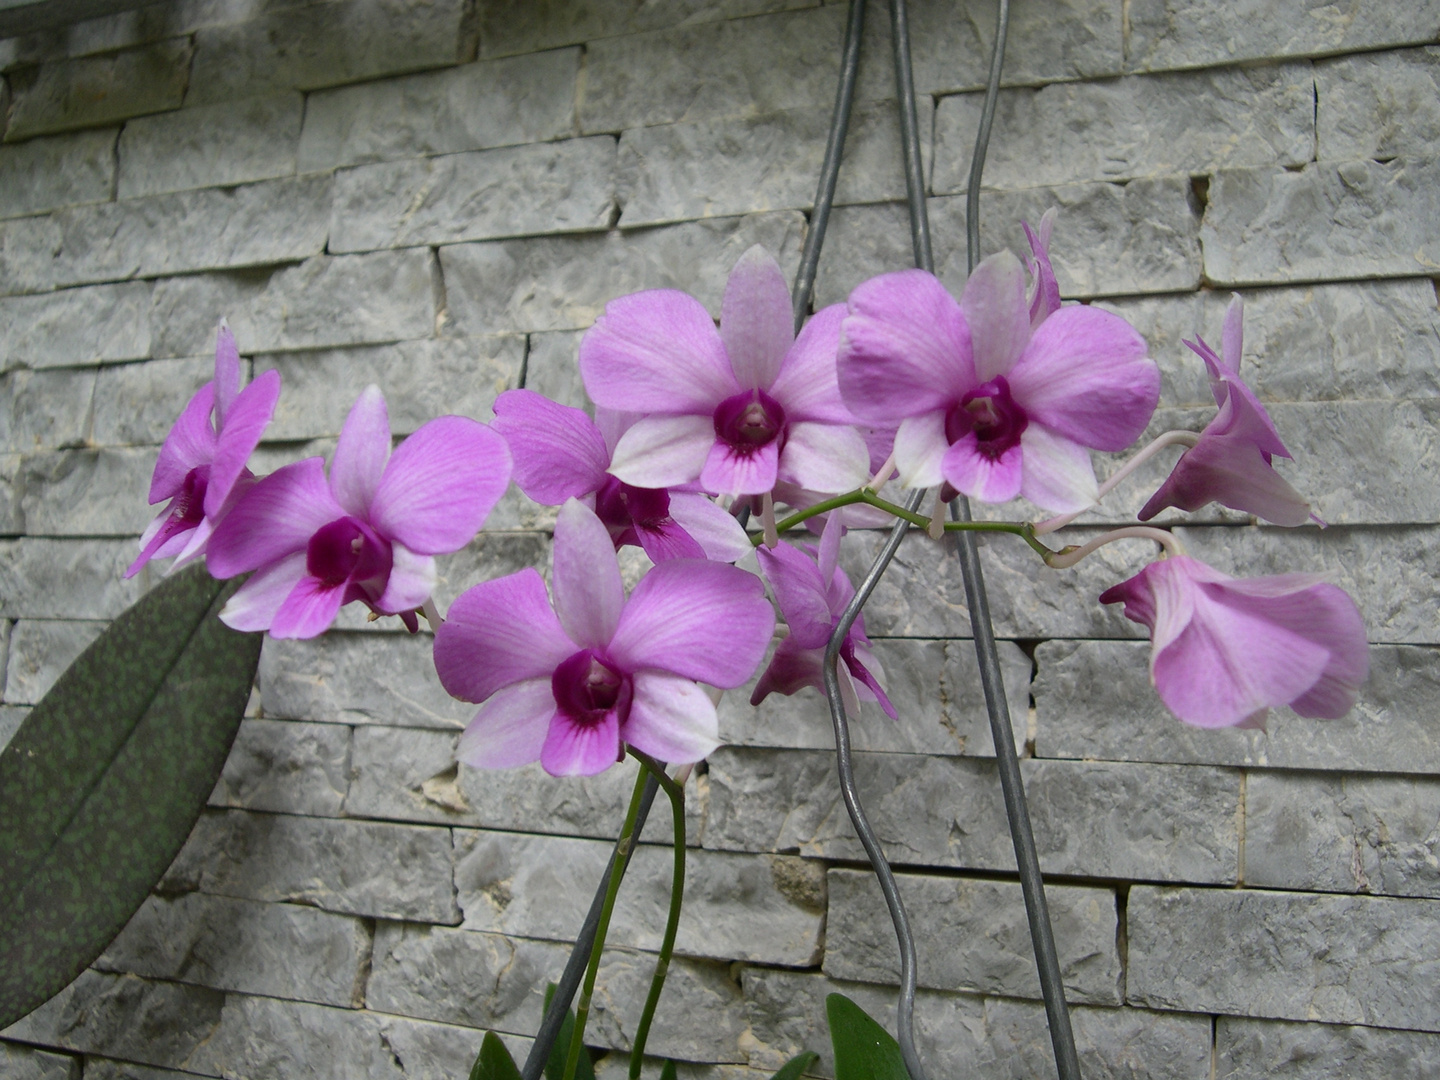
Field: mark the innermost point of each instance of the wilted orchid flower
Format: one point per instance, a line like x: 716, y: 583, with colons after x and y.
x: 367, y: 534
x: 570, y: 687
x: 1044, y: 289
x: 560, y: 454
x: 812, y: 594
x: 201, y: 469
x: 1231, y: 462
x: 1224, y: 650
x: 991, y: 399
x: 736, y: 409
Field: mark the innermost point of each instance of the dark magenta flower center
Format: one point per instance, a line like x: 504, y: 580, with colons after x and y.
x: 348, y: 550
x: 621, y: 506
x: 586, y: 688
x: 187, y: 509
x: 992, y: 414
x: 750, y: 420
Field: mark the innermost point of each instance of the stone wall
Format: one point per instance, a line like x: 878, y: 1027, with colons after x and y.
x: 440, y: 197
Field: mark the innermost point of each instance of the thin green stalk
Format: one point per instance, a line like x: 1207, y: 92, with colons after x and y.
x: 672, y: 923
x: 612, y: 889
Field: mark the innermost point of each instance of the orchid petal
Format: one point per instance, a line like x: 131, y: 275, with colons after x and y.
x: 713, y: 527
x: 807, y: 385
x: 756, y: 319
x: 589, y: 594
x: 1058, y: 474
x: 920, y: 448
x: 580, y: 749
x: 227, y: 373
x: 671, y: 719
x: 163, y: 529
x: 309, y: 609
x: 998, y: 316
x: 799, y: 593
x: 255, y: 603
x: 731, y: 471
x: 497, y: 633
x: 662, y: 451
x: 275, y: 518
x: 1047, y: 290
x: 1232, y: 336
x: 974, y: 472
x: 190, y: 444
x: 558, y: 452
x: 668, y: 541
x: 244, y: 424
x: 194, y: 547
x: 791, y: 669
x: 824, y: 457
x: 868, y: 676
x: 510, y: 729
x: 361, y: 453
x: 1233, y: 473
x: 411, y: 581
x: 829, y: 554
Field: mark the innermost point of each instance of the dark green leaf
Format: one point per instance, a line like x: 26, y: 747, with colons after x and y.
x: 667, y: 1071
x: 863, y: 1049
x: 103, y: 781
x: 555, y: 1067
x: 796, y: 1066
x: 494, y: 1062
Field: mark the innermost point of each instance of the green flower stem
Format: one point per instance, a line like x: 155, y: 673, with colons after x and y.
x: 612, y: 889
x: 672, y: 924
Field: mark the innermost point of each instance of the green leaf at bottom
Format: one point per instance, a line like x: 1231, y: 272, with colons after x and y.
x: 863, y: 1049
x: 494, y: 1062
x: 796, y: 1066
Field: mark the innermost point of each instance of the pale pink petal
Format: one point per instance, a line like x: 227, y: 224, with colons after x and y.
x: 309, y: 609
x: 194, y: 546
x: 411, y: 581
x: 497, y: 633
x: 824, y: 457
x: 799, y: 593
x: 586, y: 577
x: 1085, y: 376
x: 905, y: 348
x: 1232, y: 336
x: 920, y: 447
x: 1046, y: 300
x: 227, y: 373
x: 713, y: 527
x: 756, y: 319
x: 1057, y: 473
x: 999, y: 318
x: 869, y: 678
x: 361, y: 453
x: 558, y: 451
x: 255, y: 603
x: 671, y: 719
x: 509, y: 730
x: 806, y: 386
x: 245, y: 422
x: 668, y: 541
x: 190, y: 444
x: 275, y: 518
x: 830, y: 551
x: 656, y: 351
x: 703, y: 620
x: 612, y: 424
x: 163, y: 532
x: 791, y: 669
x: 729, y: 471
x: 580, y: 749
x: 973, y: 472
x: 1234, y: 473
x: 662, y: 451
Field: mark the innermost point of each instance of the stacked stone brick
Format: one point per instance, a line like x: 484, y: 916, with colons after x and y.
x: 440, y: 197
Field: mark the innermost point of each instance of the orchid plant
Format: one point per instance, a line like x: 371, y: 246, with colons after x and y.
x: 1001, y: 392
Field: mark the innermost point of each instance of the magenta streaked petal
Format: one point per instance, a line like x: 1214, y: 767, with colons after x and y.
x: 1242, y: 416
x: 656, y: 351
x: 806, y: 385
x: 824, y: 457
x: 441, y: 484
x: 756, y: 319
x: 868, y: 675
x: 905, y: 348
x: 275, y: 518
x: 703, y: 620
x: 309, y: 609
x: 411, y: 581
x: 663, y: 451
x: 190, y: 444
x: 194, y: 547
x: 732, y: 470
x: 558, y: 452
x: 163, y: 528
x: 497, y: 633
x: 668, y: 541
x: 1085, y: 376
x: 227, y: 373
x: 1058, y: 475
x: 920, y: 448
x: 245, y: 422
x: 999, y: 318
x: 671, y: 719
x: 255, y: 603
x: 799, y: 593
x: 1233, y: 473
x: 829, y: 559
x: 1046, y: 300
x: 713, y: 527
x: 586, y: 577
x: 791, y: 669
x: 361, y: 453
x: 580, y: 748
x: 510, y: 729
x: 974, y: 472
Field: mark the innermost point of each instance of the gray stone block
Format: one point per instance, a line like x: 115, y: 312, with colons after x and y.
x: 1195, y: 33
x: 365, y: 868
x: 41, y: 410
x: 97, y: 1068
x: 1251, y: 1049
x: 6, y: 626
x: 45, y: 174
x: 12, y: 521
x: 76, y: 326
x: 976, y: 936
x: 472, y: 107
x: 552, y: 368
x: 40, y: 651
x: 68, y: 579
x: 307, y: 47
x: 564, y: 186
x: 230, y: 142
x: 1377, y: 105
x: 1287, y: 956
x: 769, y: 909
x: 87, y: 492
x: 25, y: 1063
x: 1329, y: 221
x: 1091, y: 819
x: 1137, y: 126
x: 94, y: 90
x: 138, y: 404
x: 28, y: 247
x: 563, y: 283
x: 279, y: 950
x: 1094, y: 700
x: 1368, y: 834
x: 286, y: 767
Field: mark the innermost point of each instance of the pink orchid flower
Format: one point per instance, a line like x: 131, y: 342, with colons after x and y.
x: 571, y: 686
x: 201, y: 469
x: 560, y: 454
x: 812, y: 594
x: 1231, y: 464
x: 991, y: 399
x: 737, y: 409
x: 1044, y: 289
x: 369, y: 533
x: 1224, y: 650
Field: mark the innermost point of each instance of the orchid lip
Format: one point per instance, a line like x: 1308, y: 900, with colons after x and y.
x: 622, y: 506
x: 586, y: 688
x: 992, y: 414
x: 749, y: 420
x: 348, y: 550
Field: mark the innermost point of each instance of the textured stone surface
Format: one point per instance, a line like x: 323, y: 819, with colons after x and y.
x: 472, y: 107
x: 27, y: 254
x: 350, y: 867
x: 286, y: 767
x: 25, y: 1063
x: 1137, y: 126
x: 87, y: 492
x: 136, y: 404
x: 976, y: 936
x: 1094, y: 700
x: 230, y: 142
x: 752, y: 907
x: 512, y: 191
x: 40, y: 651
x: 1343, y: 834
x: 1290, y: 956
x: 94, y: 90
x: 1377, y: 105
x: 1251, y: 1049
x: 1356, y: 219
x: 76, y: 326
x: 44, y: 174
x: 552, y: 368
x: 563, y: 283
x: 1092, y: 819
x: 279, y: 950
x: 67, y: 579
x: 40, y: 410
